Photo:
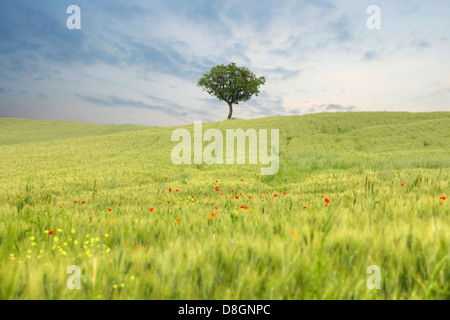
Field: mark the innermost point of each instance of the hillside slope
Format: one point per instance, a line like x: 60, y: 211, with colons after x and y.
x: 14, y: 131
x: 307, y: 143
x: 353, y: 190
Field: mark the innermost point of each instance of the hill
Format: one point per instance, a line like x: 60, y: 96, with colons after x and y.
x: 14, y: 131
x: 353, y: 190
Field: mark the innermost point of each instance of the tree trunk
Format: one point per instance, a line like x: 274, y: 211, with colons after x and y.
x: 231, y: 110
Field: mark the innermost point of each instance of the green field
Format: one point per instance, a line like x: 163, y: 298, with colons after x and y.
x: 386, y: 176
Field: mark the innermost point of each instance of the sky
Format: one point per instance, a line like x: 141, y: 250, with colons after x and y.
x: 138, y: 62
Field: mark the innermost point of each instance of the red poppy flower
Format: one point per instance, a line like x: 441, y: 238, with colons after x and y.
x: 178, y: 220
x: 176, y: 190
x: 139, y: 186
x: 217, y: 188
x: 83, y: 202
x: 165, y: 178
x: 242, y: 179
x: 50, y: 232
x: 275, y: 196
x: 304, y: 208
x: 245, y: 208
x: 403, y: 184
x: 215, y: 208
x: 213, y: 214
x: 327, y: 200
x: 237, y: 198
x: 284, y: 192
x: 75, y: 201
x: 136, y: 247
x: 109, y: 209
x: 443, y: 198
x: 170, y: 190
x: 151, y: 209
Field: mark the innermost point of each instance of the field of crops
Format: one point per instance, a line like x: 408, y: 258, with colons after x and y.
x: 353, y: 190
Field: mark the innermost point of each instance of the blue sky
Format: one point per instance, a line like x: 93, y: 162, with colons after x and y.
x: 139, y: 61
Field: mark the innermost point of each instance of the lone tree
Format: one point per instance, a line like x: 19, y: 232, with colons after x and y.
x: 231, y: 84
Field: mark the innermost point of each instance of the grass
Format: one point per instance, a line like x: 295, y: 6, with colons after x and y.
x: 384, y: 174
